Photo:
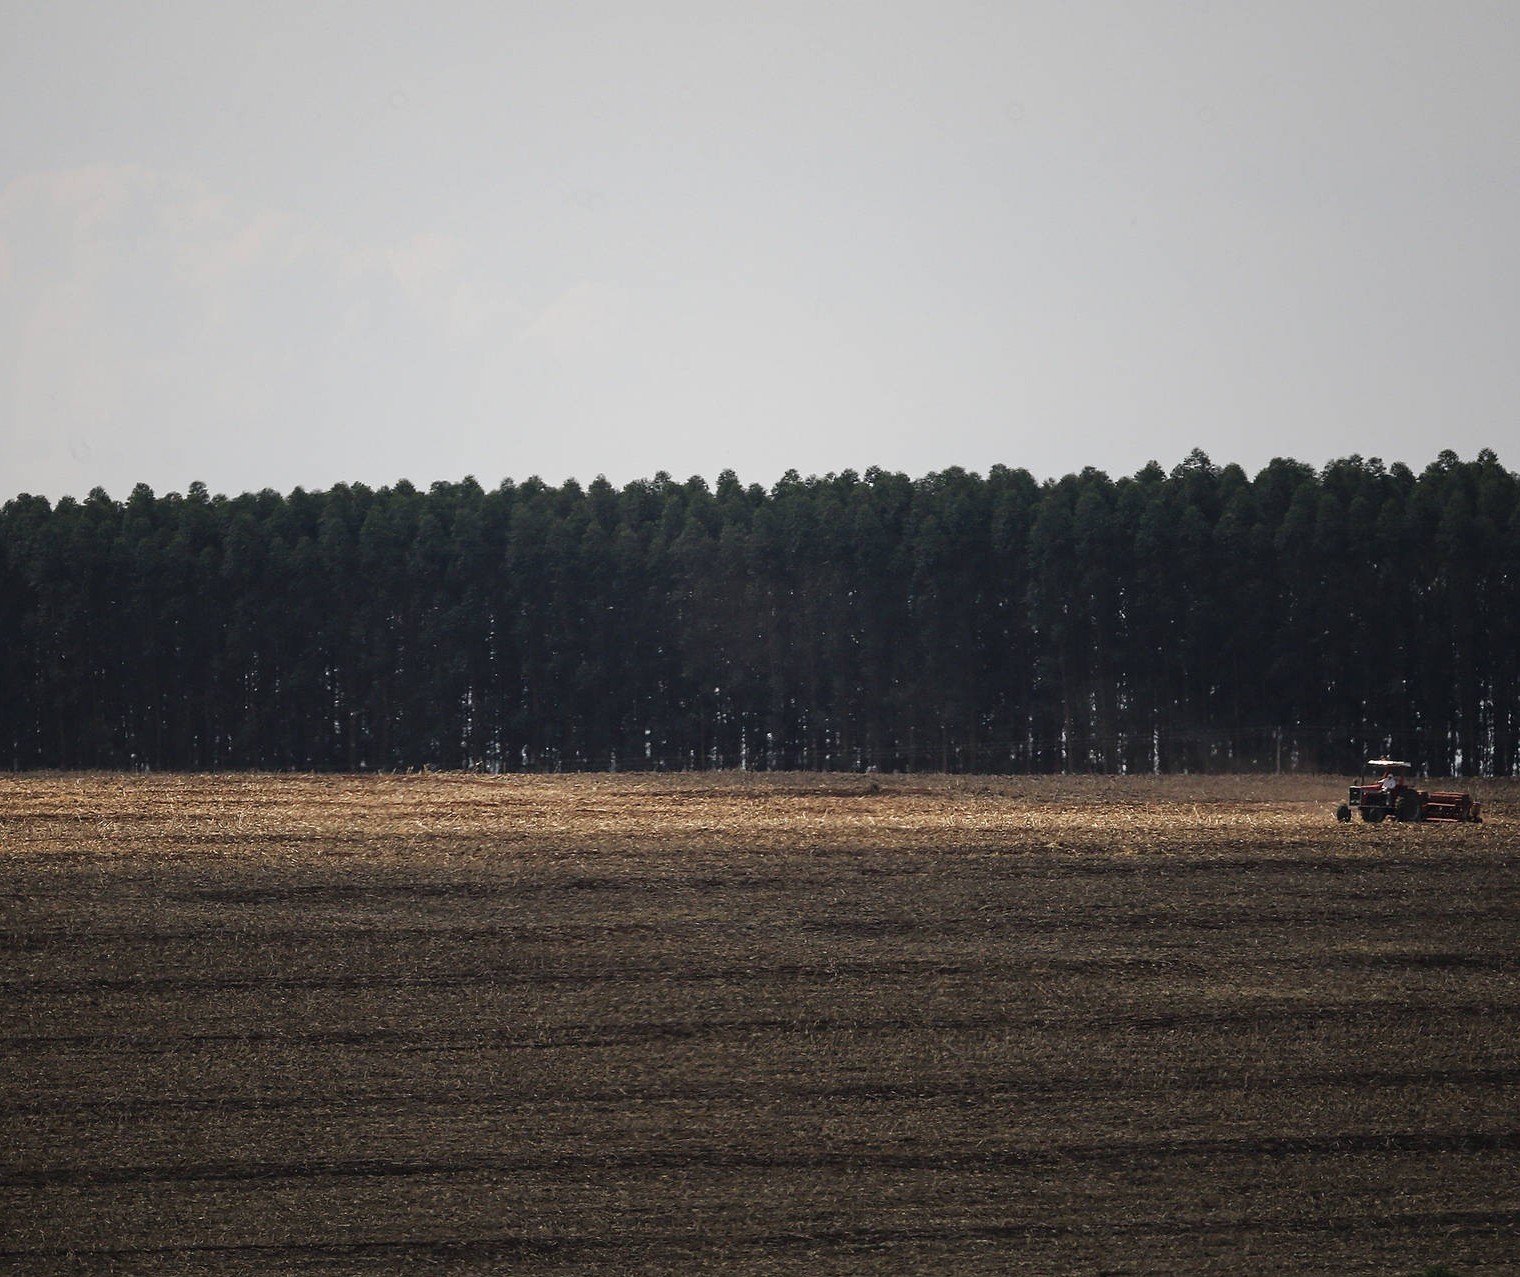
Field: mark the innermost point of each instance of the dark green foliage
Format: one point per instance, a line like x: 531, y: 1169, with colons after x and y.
x: 1192, y: 620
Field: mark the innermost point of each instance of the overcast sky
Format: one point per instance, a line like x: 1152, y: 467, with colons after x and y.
x: 280, y: 244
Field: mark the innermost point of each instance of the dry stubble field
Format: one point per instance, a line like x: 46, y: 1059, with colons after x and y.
x: 748, y: 1024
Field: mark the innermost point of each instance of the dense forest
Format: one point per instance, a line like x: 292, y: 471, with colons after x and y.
x: 1193, y: 620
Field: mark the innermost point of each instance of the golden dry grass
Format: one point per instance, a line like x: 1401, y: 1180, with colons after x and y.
x: 400, y: 814
x: 747, y: 1024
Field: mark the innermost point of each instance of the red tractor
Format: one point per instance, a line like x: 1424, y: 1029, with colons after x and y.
x: 1395, y: 796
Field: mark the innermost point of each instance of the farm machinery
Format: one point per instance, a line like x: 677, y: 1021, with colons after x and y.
x: 1394, y: 796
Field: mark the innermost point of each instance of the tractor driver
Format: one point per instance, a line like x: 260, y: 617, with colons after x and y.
x: 1390, y: 781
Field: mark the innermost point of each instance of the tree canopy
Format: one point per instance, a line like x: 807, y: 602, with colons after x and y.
x: 1195, y: 619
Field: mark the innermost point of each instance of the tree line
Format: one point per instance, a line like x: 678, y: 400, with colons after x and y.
x: 1197, y: 619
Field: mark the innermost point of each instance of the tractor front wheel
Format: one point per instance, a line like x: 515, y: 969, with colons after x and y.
x: 1343, y: 812
x: 1374, y: 815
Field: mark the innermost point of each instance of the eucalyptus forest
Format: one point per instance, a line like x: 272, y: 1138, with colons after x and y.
x: 1193, y: 620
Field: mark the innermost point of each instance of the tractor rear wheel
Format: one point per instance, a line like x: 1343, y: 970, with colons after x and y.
x: 1373, y: 815
x: 1408, y: 808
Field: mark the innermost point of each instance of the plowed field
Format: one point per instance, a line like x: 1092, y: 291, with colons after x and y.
x: 740, y: 1024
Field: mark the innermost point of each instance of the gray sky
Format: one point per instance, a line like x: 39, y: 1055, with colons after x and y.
x: 281, y: 244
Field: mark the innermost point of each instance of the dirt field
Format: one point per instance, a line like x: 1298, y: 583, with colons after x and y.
x: 727, y: 1024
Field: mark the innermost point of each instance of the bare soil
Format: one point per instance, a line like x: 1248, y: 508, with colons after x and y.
x: 741, y: 1024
